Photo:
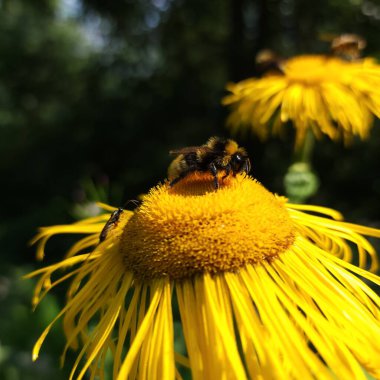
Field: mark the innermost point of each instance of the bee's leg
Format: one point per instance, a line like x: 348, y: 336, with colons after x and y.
x: 175, y: 180
x: 228, y: 170
x: 181, y: 176
x: 214, y: 172
x: 247, y: 166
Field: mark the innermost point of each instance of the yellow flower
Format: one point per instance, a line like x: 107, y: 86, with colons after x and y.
x: 326, y: 94
x: 265, y: 288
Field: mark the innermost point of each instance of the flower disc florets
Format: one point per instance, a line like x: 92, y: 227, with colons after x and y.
x: 191, y: 228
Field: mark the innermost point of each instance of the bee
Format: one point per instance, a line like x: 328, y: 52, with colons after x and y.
x: 113, y: 221
x: 216, y: 155
x: 269, y: 62
x: 348, y: 46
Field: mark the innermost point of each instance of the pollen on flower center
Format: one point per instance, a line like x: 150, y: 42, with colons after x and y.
x: 192, y: 228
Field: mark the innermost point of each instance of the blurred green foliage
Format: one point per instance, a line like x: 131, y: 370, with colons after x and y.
x: 19, y: 329
x: 93, y: 95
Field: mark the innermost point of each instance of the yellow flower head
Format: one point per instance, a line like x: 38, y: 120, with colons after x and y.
x: 326, y: 94
x: 265, y: 290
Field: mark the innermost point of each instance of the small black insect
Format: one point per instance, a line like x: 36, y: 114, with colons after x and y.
x: 111, y: 224
x: 114, y: 220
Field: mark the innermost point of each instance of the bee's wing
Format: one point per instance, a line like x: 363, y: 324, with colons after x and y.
x: 189, y: 149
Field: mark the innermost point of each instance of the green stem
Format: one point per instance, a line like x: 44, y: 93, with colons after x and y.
x: 305, y: 152
x: 300, y: 182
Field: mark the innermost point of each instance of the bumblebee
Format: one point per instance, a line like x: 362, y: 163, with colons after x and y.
x: 269, y: 62
x: 216, y: 155
x: 348, y: 46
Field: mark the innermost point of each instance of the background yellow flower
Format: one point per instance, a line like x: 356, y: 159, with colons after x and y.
x: 325, y: 94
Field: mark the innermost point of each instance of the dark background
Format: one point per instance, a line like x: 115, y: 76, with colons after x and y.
x: 93, y: 95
